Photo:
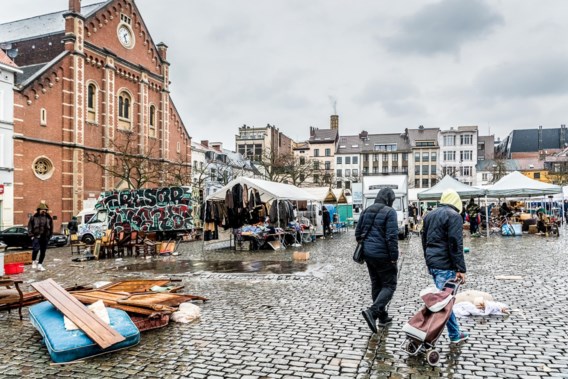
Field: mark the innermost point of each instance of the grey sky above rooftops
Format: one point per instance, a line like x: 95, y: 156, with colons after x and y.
x: 501, y: 65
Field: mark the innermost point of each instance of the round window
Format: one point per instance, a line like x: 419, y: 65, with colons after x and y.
x: 43, y: 168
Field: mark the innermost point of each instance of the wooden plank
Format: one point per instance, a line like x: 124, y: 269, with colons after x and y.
x: 101, y: 333
x: 140, y: 285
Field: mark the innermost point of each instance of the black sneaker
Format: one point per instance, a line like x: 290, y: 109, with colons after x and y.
x: 386, y: 321
x: 370, y: 320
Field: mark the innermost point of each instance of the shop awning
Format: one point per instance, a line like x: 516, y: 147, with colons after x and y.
x: 465, y: 191
x: 268, y: 190
x: 517, y: 184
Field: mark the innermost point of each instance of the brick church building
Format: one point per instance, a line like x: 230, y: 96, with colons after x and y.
x: 92, y: 77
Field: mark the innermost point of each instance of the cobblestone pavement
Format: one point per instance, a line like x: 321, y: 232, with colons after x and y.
x: 307, y: 324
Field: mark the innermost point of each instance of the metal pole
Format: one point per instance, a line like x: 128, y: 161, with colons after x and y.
x: 486, y: 217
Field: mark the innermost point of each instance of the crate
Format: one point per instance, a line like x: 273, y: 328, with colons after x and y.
x: 533, y: 229
x: 243, y: 246
x: 13, y: 268
x: 23, y: 257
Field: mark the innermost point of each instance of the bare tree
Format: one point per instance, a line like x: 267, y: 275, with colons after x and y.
x: 292, y: 169
x: 499, y: 170
x: 135, y: 168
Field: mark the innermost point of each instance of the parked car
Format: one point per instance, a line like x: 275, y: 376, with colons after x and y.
x: 17, y: 236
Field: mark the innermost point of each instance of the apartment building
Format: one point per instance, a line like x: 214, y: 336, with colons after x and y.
x: 459, y: 153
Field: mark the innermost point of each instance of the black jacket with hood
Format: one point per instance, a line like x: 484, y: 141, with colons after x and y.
x: 381, y: 223
x: 442, y: 238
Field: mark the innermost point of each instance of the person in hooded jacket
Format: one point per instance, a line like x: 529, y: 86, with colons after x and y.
x: 442, y: 242
x: 40, y: 229
x: 326, y: 221
x: 378, y: 229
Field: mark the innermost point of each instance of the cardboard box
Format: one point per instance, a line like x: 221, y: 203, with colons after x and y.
x: 301, y: 255
x: 23, y: 257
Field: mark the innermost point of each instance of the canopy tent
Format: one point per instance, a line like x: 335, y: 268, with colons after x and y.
x: 340, y: 195
x: 516, y: 184
x: 268, y: 190
x: 323, y: 194
x: 465, y: 191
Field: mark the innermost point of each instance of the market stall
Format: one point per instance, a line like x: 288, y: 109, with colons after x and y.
x: 260, y: 213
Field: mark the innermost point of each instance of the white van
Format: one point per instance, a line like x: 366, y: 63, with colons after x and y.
x: 85, y: 215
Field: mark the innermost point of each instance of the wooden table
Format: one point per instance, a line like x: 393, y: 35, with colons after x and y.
x: 10, y: 296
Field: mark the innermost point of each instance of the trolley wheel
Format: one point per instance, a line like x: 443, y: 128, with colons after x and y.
x: 411, y: 347
x: 433, y: 357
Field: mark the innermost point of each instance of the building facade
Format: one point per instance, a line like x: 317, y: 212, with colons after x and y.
x: 458, y: 153
x: 92, y: 79
x: 261, y: 143
x: 8, y: 70
x: 424, y: 160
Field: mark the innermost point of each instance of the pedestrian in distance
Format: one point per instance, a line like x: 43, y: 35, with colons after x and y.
x: 73, y: 225
x: 442, y: 242
x: 378, y: 230
x: 40, y: 229
x: 326, y: 220
x: 473, y: 212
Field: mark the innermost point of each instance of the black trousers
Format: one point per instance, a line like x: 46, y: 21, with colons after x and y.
x: 39, y: 245
x: 383, y: 276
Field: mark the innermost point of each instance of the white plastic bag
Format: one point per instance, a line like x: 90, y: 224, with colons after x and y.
x: 187, y: 313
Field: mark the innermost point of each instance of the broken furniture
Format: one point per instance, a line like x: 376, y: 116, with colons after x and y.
x: 11, y: 294
x: 70, y: 345
x: 76, y: 245
x: 148, y: 309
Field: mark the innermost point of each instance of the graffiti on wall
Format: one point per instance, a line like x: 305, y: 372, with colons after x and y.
x: 153, y: 218
x: 145, y: 197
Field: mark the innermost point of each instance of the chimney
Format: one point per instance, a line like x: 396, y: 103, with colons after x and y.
x: 334, y: 122
x: 162, y: 50
x: 205, y: 143
x: 75, y: 6
x: 363, y: 135
x: 312, y: 131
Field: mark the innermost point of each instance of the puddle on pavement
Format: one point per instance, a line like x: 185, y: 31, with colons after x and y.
x: 182, y: 266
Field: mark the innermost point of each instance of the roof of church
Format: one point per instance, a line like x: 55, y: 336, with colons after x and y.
x: 46, y: 24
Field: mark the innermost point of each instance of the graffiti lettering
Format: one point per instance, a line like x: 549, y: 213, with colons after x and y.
x: 167, y: 218
x: 144, y: 197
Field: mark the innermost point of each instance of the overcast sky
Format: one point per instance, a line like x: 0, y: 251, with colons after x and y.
x: 383, y: 65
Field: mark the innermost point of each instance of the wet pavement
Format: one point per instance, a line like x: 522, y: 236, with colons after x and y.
x: 272, y: 317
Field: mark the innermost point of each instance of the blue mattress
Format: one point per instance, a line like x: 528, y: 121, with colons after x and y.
x: 69, y: 345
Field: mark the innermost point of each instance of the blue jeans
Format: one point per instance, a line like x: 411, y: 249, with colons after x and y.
x: 440, y: 278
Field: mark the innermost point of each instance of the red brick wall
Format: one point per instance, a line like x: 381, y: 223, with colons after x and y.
x: 53, y: 91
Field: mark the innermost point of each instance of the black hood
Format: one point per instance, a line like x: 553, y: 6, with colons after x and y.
x: 385, y: 196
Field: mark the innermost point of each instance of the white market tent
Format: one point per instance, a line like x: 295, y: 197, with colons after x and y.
x: 268, y: 190
x: 323, y: 194
x: 465, y: 191
x: 516, y: 184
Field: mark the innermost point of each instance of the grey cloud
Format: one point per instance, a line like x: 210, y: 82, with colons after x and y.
x: 377, y: 91
x: 444, y: 27
x: 542, y: 77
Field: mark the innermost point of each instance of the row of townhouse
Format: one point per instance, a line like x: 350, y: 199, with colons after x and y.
x: 424, y: 154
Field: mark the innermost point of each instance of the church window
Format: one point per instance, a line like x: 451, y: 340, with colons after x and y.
x: 92, y: 102
x: 124, y: 110
x: 152, y: 121
x: 43, y: 168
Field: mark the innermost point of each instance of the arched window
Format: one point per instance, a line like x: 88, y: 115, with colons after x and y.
x: 152, y: 121
x: 124, y: 110
x: 92, y: 102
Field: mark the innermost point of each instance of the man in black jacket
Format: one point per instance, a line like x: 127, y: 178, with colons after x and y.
x: 40, y: 229
x: 442, y: 242
x: 378, y: 228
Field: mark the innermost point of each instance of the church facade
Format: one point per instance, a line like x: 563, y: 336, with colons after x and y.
x: 93, y: 80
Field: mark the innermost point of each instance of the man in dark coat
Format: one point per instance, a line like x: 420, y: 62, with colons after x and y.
x: 73, y: 225
x: 378, y: 229
x: 40, y: 229
x: 326, y: 220
x: 442, y: 242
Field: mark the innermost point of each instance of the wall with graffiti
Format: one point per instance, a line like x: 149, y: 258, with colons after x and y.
x: 148, y: 210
